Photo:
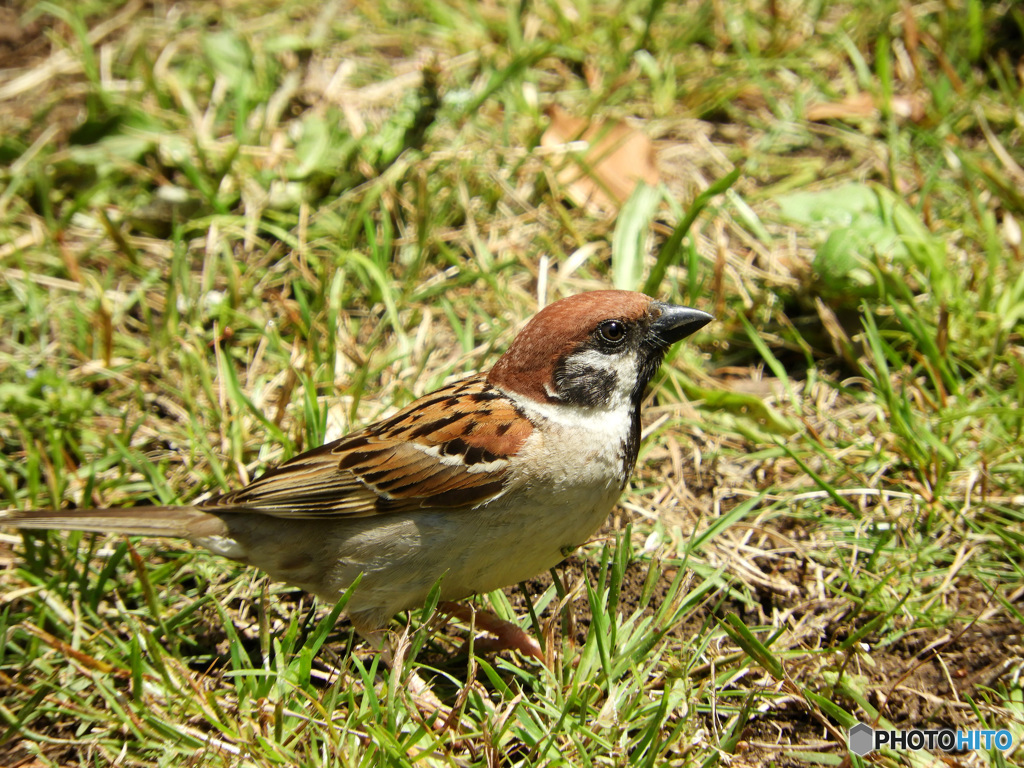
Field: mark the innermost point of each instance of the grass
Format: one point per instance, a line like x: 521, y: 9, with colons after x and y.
x: 229, y: 232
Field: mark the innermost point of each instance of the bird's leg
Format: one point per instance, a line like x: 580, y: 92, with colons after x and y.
x: 393, y: 654
x: 507, y: 636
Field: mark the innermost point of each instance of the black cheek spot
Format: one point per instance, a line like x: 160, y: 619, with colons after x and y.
x: 584, y: 385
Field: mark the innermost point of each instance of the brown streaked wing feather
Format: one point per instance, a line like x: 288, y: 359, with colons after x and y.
x: 309, y: 485
x: 448, y: 449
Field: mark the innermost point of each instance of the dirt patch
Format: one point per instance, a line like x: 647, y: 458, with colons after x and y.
x: 924, y: 679
x: 21, y: 45
x: 31, y: 110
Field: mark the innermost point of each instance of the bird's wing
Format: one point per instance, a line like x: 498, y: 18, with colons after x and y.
x: 447, y: 450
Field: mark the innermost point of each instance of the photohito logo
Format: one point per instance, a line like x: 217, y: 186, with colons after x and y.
x: 863, y: 739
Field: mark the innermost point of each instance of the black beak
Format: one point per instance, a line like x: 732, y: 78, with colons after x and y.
x: 676, y: 323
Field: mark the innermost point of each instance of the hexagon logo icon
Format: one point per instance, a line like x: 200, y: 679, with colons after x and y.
x: 861, y: 739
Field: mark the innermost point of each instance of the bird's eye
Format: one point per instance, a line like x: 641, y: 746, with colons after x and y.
x: 612, y: 331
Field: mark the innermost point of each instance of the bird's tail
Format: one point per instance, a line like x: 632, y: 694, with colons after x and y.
x: 171, y: 522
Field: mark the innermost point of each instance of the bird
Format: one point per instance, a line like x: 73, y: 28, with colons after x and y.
x: 484, y: 483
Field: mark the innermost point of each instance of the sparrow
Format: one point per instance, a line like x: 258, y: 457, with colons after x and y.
x: 484, y: 483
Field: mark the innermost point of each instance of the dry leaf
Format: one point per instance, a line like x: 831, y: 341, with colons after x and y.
x: 602, y: 176
x: 863, y: 105
x: 859, y: 105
